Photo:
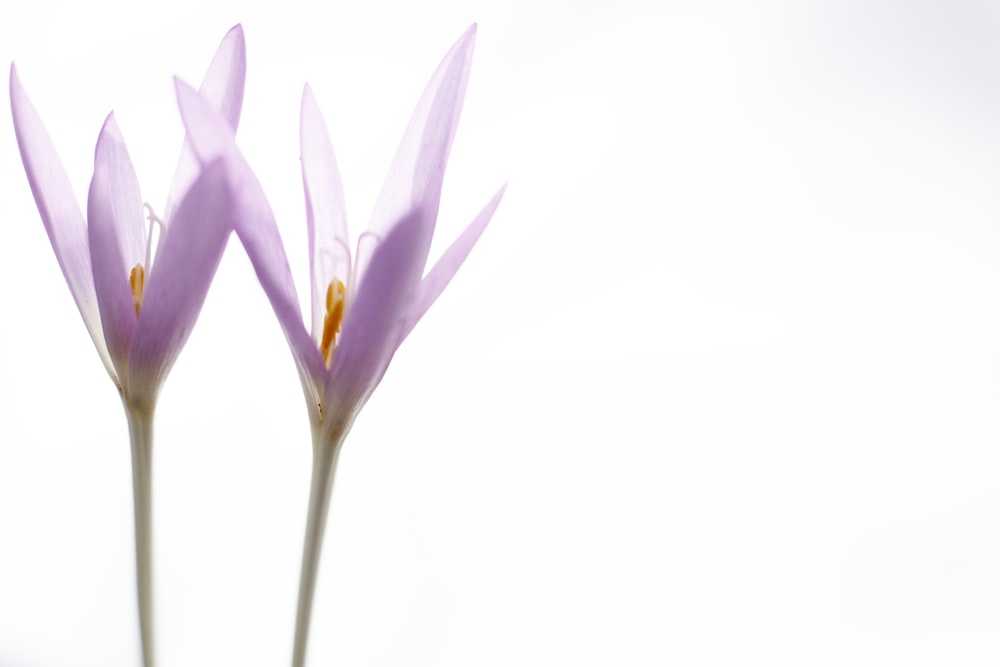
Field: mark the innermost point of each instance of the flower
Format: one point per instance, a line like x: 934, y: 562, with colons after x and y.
x: 139, y: 309
x: 365, y: 305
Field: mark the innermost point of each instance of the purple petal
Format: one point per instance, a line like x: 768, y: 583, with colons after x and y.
x: 254, y: 223
x: 223, y: 88
x: 178, y: 282
x: 59, y: 210
x: 117, y: 240
x: 417, y: 171
x: 329, y: 246
x: 437, y: 279
x: 371, y: 329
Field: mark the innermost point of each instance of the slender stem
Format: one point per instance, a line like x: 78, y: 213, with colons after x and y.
x: 325, y: 454
x: 140, y: 427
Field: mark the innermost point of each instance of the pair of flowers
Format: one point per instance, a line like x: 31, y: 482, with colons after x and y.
x: 140, y: 306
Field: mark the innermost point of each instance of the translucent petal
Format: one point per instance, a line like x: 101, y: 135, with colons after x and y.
x: 254, y: 223
x: 329, y: 246
x: 189, y: 255
x: 59, y: 210
x: 371, y: 329
x: 117, y: 240
x: 223, y: 88
x: 417, y: 171
x: 444, y: 270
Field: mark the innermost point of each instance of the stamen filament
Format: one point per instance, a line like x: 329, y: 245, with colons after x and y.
x: 153, y: 221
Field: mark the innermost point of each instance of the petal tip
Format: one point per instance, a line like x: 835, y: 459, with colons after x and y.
x: 308, y: 97
x: 16, y: 89
x: 236, y: 35
x: 468, y: 38
x: 109, y: 130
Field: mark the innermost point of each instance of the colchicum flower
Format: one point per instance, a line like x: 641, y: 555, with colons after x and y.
x: 365, y: 305
x: 139, y: 308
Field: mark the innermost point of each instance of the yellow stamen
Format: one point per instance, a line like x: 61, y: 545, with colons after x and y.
x: 335, y: 296
x: 137, y: 280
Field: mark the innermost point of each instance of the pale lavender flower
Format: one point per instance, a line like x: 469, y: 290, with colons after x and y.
x: 365, y: 305
x: 138, y: 307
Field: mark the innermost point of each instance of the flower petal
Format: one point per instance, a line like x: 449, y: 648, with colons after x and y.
x: 444, y: 270
x: 223, y: 88
x: 59, y: 210
x: 371, y: 329
x: 417, y: 171
x: 117, y: 240
x: 189, y: 255
x: 255, y: 225
x: 329, y: 245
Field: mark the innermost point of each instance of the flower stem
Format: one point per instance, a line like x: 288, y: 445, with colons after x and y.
x: 140, y: 427
x: 325, y: 454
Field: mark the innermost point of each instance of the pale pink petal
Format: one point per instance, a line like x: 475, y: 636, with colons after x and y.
x: 178, y: 282
x: 223, y: 88
x: 254, y: 222
x: 117, y: 240
x: 371, y: 329
x: 444, y: 270
x: 417, y: 171
x: 329, y: 246
x: 59, y: 210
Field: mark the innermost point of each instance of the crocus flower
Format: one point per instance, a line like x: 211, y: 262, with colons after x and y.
x: 363, y: 305
x: 139, y: 308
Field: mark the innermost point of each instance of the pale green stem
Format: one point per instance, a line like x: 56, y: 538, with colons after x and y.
x: 140, y: 428
x: 325, y: 454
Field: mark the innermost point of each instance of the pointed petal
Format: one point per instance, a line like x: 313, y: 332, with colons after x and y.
x: 329, y: 246
x: 59, y: 210
x: 444, y: 270
x: 254, y: 224
x: 117, y: 240
x: 178, y: 283
x: 223, y: 88
x: 417, y: 171
x: 372, y: 326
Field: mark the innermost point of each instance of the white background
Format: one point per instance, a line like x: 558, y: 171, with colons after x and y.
x: 718, y: 386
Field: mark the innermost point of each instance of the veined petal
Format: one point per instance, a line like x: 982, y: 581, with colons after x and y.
x: 329, y: 245
x: 371, y: 330
x: 59, y: 210
x: 444, y: 270
x: 223, y: 88
x: 254, y: 224
x: 417, y: 171
x: 117, y: 240
x: 189, y: 255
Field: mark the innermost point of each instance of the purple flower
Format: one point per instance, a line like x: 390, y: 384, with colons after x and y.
x: 138, y: 305
x: 139, y: 308
x: 363, y: 305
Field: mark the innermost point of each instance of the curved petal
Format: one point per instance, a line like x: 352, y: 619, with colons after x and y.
x: 178, y: 283
x: 223, y: 88
x: 329, y: 246
x: 444, y: 270
x: 59, y: 210
x: 117, y: 240
x: 417, y: 171
x: 371, y: 329
x: 254, y: 224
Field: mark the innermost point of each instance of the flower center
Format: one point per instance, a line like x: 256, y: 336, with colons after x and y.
x: 137, y: 279
x: 336, y: 294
